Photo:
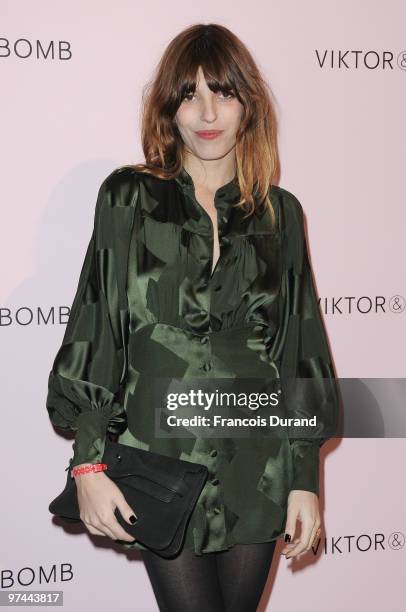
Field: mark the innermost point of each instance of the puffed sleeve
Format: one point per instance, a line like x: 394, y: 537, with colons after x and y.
x: 306, y: 355
x: 85, y: 381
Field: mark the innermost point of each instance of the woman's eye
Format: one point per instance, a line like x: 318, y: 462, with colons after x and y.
x: 189, y: 96
x: 227, y: 94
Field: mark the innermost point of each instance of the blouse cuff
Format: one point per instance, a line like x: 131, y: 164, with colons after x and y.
x: 90, y: 437
x: 306, y: 462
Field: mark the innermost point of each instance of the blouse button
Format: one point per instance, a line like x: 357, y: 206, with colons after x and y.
x: 213, y: 453
x: 207, y: 366
x: 215, y: 481
x: 118, y: 457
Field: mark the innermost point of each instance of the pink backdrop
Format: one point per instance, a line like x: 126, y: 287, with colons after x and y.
x: 68, y: 120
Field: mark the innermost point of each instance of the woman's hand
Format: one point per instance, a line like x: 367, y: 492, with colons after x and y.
x: 302, y: 505
x: 98, y: 497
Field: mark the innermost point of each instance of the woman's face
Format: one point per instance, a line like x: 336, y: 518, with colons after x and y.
x: 203, y: 113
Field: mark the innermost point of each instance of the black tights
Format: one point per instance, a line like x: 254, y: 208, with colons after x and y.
x: 231, y: 579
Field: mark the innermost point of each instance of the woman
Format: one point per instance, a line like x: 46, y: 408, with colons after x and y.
x: 198, y: 267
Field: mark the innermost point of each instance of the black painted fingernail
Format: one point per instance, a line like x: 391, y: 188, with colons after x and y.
x: 287, y: 537
x: 133, y: 518
x: 125, y: 542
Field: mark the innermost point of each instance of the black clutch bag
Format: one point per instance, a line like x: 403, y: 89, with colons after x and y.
x: 162, y: 490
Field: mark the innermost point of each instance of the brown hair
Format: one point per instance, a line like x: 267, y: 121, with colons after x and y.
x: 228, y: 66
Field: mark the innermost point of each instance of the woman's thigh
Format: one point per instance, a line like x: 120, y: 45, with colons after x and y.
x: 243, y: 571
x: 187, y: 582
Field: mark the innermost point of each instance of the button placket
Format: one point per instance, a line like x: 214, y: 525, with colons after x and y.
x: 204, y: 340
x: 224, y: 198
x: 215, y: 508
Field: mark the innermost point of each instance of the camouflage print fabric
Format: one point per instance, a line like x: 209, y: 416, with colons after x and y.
x: 147, y: 304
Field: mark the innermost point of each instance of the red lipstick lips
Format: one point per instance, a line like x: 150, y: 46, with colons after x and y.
x: 209, y: 134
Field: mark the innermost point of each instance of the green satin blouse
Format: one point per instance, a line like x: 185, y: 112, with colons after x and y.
x: 147, y: 304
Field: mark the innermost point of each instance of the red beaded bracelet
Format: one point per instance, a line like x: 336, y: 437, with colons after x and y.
x: 85, y: 469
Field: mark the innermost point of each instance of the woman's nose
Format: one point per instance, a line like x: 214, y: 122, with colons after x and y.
x: 209, y: 112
